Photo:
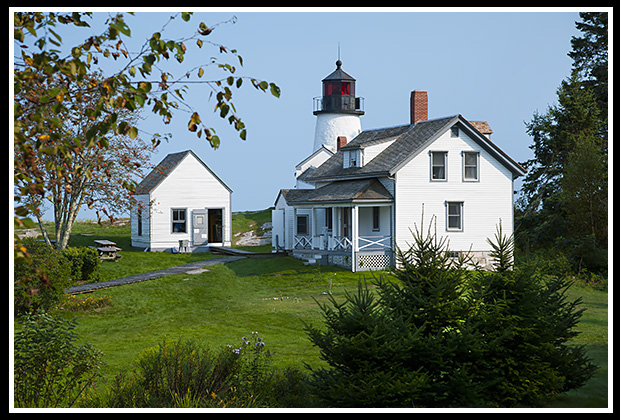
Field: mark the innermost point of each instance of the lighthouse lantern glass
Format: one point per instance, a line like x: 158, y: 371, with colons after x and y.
x: 337, y: 88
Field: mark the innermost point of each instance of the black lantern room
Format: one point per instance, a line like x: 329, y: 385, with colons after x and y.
x: 338, y: 95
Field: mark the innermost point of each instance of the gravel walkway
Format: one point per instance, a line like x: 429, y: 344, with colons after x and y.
x: 85, y: 288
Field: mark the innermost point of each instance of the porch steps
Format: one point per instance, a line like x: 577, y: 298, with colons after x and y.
x: 312, y: 260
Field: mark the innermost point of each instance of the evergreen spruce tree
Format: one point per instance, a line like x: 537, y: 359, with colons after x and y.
x: 407, y: 346
x: 444, y: 334
x: 524, y: 321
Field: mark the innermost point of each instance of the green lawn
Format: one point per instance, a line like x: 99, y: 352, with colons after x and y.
x: 231, y: 300
x: 217, y: 307
x: 593, y: 328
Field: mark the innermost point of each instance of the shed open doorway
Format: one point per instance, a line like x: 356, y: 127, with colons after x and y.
x: 215, y: 225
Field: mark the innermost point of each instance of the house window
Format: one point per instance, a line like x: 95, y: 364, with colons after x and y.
x: 454, y: 211
x: 352, y: 159
x: 329, y: 211
x: 302, y: 224
x: 376, y: 218
x: 454, y: 132
x: 179, y: 221
x: 470, y: 166
x: 438, y: 166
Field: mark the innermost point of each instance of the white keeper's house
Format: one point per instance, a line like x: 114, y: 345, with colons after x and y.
x: 182, y: 206
x: 359, y: 194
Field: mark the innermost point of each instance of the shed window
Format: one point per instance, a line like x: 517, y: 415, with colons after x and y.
x: 179, y: 221
x: 139, y: 222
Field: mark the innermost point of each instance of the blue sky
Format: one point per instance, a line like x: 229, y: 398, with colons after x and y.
x: 497, y: 65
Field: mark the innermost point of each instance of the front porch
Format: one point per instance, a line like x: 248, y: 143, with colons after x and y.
x: 356, y: 236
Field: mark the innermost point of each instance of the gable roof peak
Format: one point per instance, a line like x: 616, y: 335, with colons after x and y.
x: 165, y: 167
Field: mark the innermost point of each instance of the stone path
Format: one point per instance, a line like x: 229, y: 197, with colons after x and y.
x: 89, y: 287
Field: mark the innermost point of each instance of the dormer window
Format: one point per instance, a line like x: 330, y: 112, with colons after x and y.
x: 352, y: 159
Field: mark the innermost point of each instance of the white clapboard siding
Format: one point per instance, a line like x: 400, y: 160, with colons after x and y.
x: 485, y: 201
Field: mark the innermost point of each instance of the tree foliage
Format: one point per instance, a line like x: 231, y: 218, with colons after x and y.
x: 563, y: 202
x: 52, y: 80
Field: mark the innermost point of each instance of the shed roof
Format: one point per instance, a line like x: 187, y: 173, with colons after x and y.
x: 165, y: 168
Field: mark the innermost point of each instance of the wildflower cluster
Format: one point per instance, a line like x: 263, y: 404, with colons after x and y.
x: 254, y: 342
x: 79, y: 303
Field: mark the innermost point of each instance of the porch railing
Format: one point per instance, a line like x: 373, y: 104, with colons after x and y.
x: 374, y: 242
x: 303, y: 242
x: 342, y: 243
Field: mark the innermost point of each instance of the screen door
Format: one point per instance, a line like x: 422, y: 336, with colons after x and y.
x: 200, y: 227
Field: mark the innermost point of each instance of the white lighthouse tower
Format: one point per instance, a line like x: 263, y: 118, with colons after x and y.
x: 338, y: 111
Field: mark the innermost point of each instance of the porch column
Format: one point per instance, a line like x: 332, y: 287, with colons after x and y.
x: 334, y: 227
x: 354, y: 235
x: 313, y: 229
x: 294, y: 225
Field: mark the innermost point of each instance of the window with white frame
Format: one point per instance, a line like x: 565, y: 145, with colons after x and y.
x: 376, y: 219
x: 470, y: 166
x: 302, y: 224
x: 438, y: 166
x: 179, y: 221
x: 352, y: 159
x: 454, y: 215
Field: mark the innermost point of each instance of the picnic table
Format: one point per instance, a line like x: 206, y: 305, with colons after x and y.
x: 107, y: 249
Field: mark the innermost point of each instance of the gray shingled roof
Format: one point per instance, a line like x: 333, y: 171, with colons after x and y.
x: 407, y: 139
x: 164, y: 168
x: 339, y: 192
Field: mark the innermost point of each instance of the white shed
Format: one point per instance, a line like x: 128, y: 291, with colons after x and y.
x: 182, y: 205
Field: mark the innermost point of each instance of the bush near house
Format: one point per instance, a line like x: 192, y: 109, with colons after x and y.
x: 445, y: 336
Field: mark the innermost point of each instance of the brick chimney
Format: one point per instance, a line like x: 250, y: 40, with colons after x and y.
x: 419, y: 106
x: 341, y: 141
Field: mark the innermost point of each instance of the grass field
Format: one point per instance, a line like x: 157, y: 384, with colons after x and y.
x: 271, y: 296
x: 217, y: 307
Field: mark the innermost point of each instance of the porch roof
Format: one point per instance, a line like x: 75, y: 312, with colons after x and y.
x: 359, y: 190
